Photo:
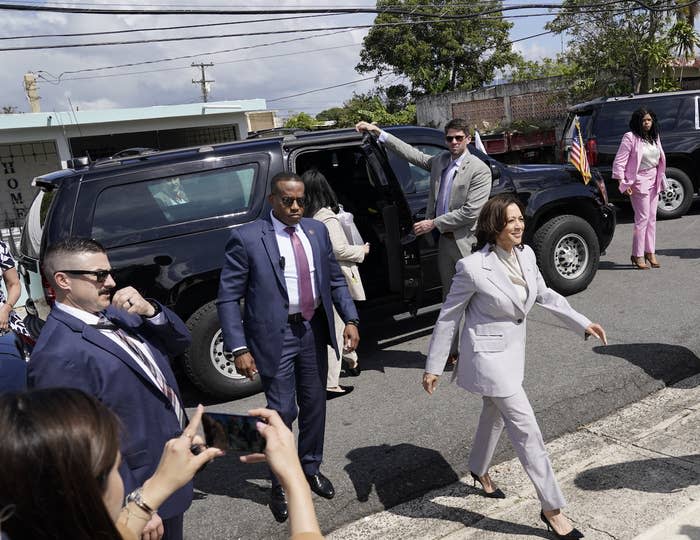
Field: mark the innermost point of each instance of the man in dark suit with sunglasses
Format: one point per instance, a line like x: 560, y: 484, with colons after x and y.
x: 116, y: 346
x: 460, y: 184
x: 284, y: 269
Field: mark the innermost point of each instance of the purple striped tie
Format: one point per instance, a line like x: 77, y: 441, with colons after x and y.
x: 306, y: 294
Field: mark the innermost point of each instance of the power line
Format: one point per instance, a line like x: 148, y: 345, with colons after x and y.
x: 161, y: 28
x: 321, y: 89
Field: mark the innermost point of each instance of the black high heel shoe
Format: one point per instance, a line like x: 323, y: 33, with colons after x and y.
x: 571, y: 535
x: 497, y: 494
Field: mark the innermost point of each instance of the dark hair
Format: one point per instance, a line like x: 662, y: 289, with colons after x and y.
x: 318, y: 193
x: 282, y: 177
x: 70, y: 246
x: 458, y: 124
x: 57, y: 448
x: 492, y: 219
x: 636, y: 124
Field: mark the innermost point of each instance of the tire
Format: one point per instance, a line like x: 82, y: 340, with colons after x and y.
x: 567, y: 252
x: 676, y: 200
x: 204, y: 361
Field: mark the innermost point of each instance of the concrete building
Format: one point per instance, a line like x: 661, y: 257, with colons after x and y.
x: 36, y: 143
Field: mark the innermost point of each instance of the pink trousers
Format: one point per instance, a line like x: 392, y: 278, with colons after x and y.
x: 644, y: 199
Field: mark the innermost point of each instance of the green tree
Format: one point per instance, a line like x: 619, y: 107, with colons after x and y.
x: 528, y: 70
x: 384, y: 106
x: 300, y: 121
x: 616, y: 51
x: 441, y: 54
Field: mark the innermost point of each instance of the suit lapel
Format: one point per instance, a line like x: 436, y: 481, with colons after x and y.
x: 98, y: 339
x: 269, y: 240
x: 496, y: 274
x: 529, y: 267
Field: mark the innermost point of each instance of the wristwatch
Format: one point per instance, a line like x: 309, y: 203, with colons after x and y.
x: 354, y: 322
x: 136, y: 497
x: 156, y: 307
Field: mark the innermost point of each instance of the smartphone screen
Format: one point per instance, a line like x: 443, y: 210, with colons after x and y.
x: 233, y: 432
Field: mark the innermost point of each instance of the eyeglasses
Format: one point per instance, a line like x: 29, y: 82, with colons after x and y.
x: 289, y: 201
x: 100, y: 275
x: 458, y: 138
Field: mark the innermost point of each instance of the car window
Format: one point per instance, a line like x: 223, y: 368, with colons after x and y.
x: 688, y: 114
x: 584, y: 120
x: 413, y: 179
x: 130, y: 208
x: 613, y: 119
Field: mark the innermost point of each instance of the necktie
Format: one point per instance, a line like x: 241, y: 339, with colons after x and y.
x: 306, y: 295
x: 443, y: 202
x: 131, y: 343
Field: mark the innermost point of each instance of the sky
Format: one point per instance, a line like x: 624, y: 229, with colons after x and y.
x: 267, y: 66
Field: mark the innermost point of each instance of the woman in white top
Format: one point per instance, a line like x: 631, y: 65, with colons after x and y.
x: 494, y: 290
x: 640, y: 167
x: 322, y: 204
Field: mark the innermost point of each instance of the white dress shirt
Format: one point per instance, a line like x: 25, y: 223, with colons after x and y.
x: 284, y: 243
x: 91, y: 319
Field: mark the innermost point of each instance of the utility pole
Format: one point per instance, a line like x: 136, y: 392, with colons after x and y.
x: 30, y: 89
x: 203, y: 82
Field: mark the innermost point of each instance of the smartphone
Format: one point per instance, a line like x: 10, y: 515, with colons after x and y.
x: 233, y: 432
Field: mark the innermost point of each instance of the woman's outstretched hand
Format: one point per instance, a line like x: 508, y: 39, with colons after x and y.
x: 596, y: 330
x: 430, y: 382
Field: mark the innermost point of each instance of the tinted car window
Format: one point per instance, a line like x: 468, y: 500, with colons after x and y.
x: 688, y: 114
x: 130, y: 208
x: 413, y: 179
x: 614, y: 118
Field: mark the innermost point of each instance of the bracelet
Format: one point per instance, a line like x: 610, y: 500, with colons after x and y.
x: 136, y: 497
x: 354, y: 322
x: 240, y: 352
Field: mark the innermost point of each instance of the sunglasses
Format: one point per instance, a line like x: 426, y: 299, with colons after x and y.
x: 100, y: 275
x: 289, y: 201
x: 458, y: 138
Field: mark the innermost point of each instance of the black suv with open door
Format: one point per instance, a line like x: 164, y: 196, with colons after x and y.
x: 605, y: 120
x: 173, y: 251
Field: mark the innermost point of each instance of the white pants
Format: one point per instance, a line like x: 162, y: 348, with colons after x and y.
x: 335, y: 363
x: 516, y: 415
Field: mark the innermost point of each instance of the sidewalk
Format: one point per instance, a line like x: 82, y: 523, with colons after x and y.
x: 632, y: 475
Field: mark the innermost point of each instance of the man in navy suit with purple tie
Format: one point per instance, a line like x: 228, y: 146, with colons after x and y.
x: 284, y: 269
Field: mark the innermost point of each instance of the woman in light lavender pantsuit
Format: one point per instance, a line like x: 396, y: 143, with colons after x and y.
x: 640, y: 167
x: 322, y: 204
x: 494, y: 290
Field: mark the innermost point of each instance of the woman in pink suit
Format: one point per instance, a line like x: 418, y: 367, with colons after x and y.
x: 640, y: 167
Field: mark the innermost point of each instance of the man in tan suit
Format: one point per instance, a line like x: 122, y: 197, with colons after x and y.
x: 460, y: 184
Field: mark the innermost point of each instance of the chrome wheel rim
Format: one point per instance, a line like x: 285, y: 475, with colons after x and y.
x: 221, y: 362
x: 571, y: 256
x: 671, y: 199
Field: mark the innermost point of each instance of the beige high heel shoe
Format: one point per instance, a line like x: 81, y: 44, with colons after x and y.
x: 639, y: 263
x: 651, y: 259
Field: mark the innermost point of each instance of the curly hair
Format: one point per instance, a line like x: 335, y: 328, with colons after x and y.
x: 636, y: 124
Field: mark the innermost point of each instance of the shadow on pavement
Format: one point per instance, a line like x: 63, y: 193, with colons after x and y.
x: 689, y: 253
x: 402, y: 472
x: 658, y: 475
x: 693, y: 533
x: 663, y: 362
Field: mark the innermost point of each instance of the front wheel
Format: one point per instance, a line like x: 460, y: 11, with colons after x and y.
x: 567, y: 252
x: 206, y: 365
x: 676, y: 200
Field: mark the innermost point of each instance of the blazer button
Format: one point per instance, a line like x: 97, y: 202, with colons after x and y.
x: 519, y: 321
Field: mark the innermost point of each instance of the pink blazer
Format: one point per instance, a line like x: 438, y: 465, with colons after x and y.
x: 627, y: 161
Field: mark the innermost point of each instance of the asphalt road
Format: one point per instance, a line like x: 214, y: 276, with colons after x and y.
x: 389, y: 441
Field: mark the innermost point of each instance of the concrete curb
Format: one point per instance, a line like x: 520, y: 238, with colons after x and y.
x: 631, y: 475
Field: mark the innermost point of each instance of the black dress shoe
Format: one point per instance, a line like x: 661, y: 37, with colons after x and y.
x: 352, y: 371
x: 344, y: 390
x: 278, y: 504
x: 320, y: 485
x: 573, y: 534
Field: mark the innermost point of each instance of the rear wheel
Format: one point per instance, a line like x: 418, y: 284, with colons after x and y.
x: 676, y: 200
x: 206, y: 365
x: 567, y: 252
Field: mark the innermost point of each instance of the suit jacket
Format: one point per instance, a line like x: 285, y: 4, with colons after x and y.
x: 252, y: 272
x: 492, y: 348
x: 628, y: 158
x: 470, y: 190
x: 347, y: 255
x: 70, y: 353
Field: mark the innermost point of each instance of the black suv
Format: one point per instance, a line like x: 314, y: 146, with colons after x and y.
x: 605, y: 120
x: 173, y: 251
